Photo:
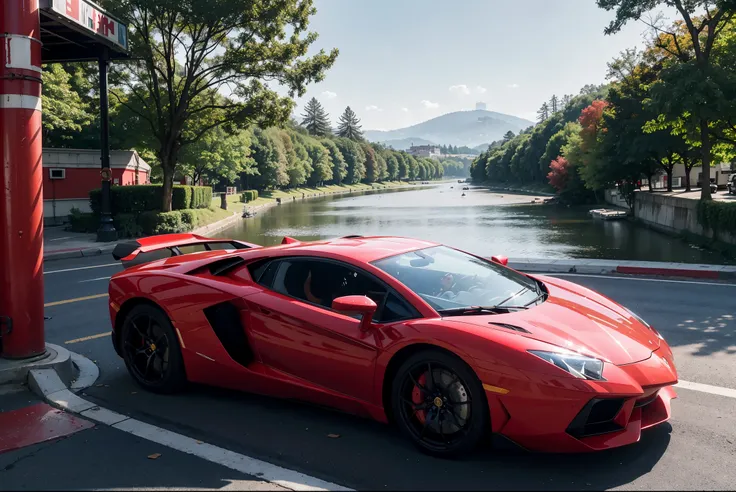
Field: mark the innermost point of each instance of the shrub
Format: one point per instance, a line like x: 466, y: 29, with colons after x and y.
x: 181, y: 197
x: 190, y: 218
x: 147, y: 198
x: 249, y: 196
x: 153, y: 223
x: 201, y: 197
x: 80, y: 222
x: 127, y: 225
x: 717, y: 216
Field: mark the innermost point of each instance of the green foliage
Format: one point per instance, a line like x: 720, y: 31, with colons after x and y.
x: 354, y: 159
x: 153, y: 223
x: 145, y: 198
x: 249, y: 196
x: 201, y: 197
x: 182, y: 197
x: 316, y: 120
x: 127, y: 225
x: 717, y: 216
x: 80, y: 222
x: 65, y: 111
x: 348, y: 125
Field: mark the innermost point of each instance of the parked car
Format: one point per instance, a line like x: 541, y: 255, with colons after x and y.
x: 449, y: 346
x: 731, y: 186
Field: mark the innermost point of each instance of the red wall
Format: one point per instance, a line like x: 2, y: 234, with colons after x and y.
x: 80, y: 181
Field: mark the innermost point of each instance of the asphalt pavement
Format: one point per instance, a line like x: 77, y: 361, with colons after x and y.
x: 695, y: 450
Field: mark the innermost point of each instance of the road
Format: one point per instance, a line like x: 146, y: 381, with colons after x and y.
x: 695, y: 451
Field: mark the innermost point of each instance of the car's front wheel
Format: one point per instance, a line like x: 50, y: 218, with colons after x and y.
x: 151, y: 350
x: 439, y: 403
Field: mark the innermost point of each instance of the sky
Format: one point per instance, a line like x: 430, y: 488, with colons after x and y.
x: 402, y: 62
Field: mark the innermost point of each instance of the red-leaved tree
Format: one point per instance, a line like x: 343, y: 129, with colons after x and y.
x: 591, y: 119
x: 558, y: 174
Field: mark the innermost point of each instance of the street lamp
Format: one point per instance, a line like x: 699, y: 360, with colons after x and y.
x: 106, y: 232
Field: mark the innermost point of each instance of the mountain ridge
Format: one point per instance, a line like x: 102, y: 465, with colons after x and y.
x: 471, y: 128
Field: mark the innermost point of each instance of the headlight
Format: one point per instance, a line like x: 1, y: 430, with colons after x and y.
x: 579, y: 366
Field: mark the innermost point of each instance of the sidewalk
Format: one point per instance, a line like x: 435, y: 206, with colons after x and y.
x: 74, y: 453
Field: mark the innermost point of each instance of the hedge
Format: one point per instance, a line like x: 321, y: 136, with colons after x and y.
x: 80, y: 222
x: 717, y: 216
x: 137, y: 199
x: 249, y: 196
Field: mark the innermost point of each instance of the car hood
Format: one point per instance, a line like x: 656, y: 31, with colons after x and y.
x: 578, y: 319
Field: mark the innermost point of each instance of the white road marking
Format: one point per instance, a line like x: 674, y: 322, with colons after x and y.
x: 261, y: 470
x: 81, y: 268
x: 93, y: 279
x: 707, y: 388
x: 60, y: 238
x: 612, y: 277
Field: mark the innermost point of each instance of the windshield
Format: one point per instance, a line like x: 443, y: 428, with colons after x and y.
x: 449, y: 279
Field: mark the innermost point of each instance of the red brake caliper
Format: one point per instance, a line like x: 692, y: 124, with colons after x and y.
x: 418, y: 397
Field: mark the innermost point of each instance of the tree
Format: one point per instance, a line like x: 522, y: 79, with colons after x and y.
x: 320, y: 162
x: 184, y: 51
x: 354, y: 158
x: 337, y: 161
x: 689, y: 84
x: 508, y: 136
x: 372, y: 170
x: 543, y: 112
x: 316, y: 120
x: 218, y: 156
x: 348, y: 125
x: 566, y: 100
x: 554, y: 104
x: 392, y: 166
x: 65, y: 111
x: 270, y: 165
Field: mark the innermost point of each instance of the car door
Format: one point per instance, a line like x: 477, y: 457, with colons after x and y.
x: 296, y: 331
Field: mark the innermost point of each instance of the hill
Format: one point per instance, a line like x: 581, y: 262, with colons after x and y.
x: 469, y: 128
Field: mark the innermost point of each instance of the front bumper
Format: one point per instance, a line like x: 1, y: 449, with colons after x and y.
x: 552, y: 415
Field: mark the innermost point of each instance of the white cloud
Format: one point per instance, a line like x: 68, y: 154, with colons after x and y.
x: 329, y: 94
x: 460, y: 89
x: 430, y: 104
x: 513, y: 86
x: 480, y: 89
x: 373, y: 107
x: 405, y: 110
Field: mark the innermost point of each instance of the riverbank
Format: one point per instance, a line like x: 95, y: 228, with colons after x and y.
x: 526, y: 189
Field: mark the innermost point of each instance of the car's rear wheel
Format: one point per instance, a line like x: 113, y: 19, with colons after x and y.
x: 439, y: 403
x: 151, y: 350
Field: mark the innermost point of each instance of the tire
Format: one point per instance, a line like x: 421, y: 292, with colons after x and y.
x: 147, y: 335
x: 432, y: 425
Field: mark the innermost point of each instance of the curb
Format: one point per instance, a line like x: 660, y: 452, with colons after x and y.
x: 47, y: 384
x: 77, y: 253
x: 56, y: 359
x: 609, y: 267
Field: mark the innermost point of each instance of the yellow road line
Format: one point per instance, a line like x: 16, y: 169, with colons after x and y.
x: 77, y: 299
x: 91, y: 337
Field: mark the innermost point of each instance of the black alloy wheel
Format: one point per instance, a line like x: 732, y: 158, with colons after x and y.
x: 151, y: 350
x: 439, y: 403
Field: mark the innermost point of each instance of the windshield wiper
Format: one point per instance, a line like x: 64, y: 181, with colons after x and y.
x: 461, y: 311
x: 539, y: 297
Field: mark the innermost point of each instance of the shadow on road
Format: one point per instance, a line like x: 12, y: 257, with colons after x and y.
x: 369, y: 455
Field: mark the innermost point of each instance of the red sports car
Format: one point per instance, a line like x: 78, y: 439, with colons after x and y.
x: 450, y: 346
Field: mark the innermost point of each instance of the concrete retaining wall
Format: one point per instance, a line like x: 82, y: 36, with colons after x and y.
x: 613, y: 197
x: 674, y: 215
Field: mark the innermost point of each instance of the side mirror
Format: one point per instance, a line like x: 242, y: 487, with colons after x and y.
x: 501, y: 260
x: 357, y: 305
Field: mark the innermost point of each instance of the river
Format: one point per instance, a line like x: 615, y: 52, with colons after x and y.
x: 482, y: 222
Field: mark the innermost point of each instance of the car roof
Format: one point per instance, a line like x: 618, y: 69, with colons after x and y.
x: 362, y: 249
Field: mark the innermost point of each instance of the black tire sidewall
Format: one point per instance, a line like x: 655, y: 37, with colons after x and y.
x: 480, y: 420
x: 175, y: 378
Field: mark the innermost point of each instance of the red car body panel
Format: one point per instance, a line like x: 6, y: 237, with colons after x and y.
x: 301, y: 351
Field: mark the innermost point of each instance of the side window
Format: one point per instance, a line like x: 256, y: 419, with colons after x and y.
x: 264, y: 272
x: 321, y: 282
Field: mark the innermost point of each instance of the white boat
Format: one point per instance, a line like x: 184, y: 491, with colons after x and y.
x: 608, y: 214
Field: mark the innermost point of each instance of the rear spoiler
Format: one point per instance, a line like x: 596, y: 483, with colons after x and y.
x: 153, y: 248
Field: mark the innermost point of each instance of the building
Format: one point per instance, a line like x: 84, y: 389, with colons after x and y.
x: 431, y: 151
x: 70, y: 174
x: 481, y: 106
x: 719, y: 173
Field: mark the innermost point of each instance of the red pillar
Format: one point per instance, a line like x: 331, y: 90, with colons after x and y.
x: 21, y: 181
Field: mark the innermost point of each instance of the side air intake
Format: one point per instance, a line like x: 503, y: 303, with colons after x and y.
x: 225, y: 321
x: 510, y: 327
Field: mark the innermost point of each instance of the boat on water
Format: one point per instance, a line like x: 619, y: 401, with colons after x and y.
x: 608, y: 214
